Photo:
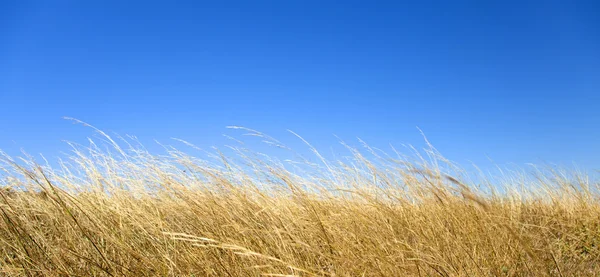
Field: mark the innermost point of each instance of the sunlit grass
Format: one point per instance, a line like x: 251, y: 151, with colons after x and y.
x: 125, y: 211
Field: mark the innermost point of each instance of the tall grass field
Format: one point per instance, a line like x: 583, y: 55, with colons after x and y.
x: 113, y: 208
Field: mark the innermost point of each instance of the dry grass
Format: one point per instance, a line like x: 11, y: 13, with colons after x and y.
x: 125, y: 212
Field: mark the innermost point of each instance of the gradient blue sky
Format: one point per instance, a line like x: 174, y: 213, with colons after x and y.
x: 517, y: 81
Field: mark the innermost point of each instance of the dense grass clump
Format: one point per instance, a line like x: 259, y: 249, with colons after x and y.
x: 126, y: 212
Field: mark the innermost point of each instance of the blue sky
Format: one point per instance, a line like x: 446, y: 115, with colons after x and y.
x: 515, y: 81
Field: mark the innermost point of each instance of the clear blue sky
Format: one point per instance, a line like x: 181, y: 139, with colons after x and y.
x: 517, y: 81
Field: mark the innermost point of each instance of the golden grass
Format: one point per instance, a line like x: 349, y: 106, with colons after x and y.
x: 125, y: 212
